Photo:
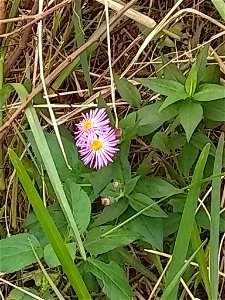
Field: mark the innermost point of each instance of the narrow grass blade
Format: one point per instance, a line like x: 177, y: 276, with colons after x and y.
x: 215, y: 220
x: 78, y: 24
x: 220, y: 6
x: 172, y: 285
x: 50, y: 229
x: 201, y: 259
x: 187, y: 221
x: 49, y: 164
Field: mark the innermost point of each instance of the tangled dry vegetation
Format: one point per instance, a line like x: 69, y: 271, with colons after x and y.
x: 41, y: 46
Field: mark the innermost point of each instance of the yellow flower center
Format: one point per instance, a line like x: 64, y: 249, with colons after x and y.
x: 96, y: 145
x: 87, y: 125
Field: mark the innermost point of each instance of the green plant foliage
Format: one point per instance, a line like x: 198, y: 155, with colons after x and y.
x: 112, y: 279
x: 50, y: 257
x: 17, y: 253
x: 98, y: 242
x: 128, y: 91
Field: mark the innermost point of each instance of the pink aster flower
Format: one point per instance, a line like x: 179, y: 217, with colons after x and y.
x: 97, y: 150
x: 94, y: 121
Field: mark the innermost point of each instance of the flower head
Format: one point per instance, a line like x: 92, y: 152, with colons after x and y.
x: 97, y: 149
x: 94, y: 121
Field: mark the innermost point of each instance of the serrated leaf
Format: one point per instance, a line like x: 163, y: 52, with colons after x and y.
x: 96, y: 244
x: 113, y: 279
x: 162, y: 86
x: 173, y: 98
x: 171, y: 71
x: 209, y: 92
x: 140, y: 201
x: 186, y: 159
x: 160, y: 141
x: 156, y: 187
x: 17, y: 253
x: 128, y: 91
x: 215, y: 110
x: 191, y: 81
x: 150, y: 230
x: 190, y: 115
x: 80, y: 203
x: 51, y: 258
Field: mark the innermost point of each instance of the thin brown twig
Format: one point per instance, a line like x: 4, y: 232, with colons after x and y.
x: 60, y: 68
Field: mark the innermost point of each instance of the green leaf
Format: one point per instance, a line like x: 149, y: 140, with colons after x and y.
x: 201, y: 62
x: 212, y: 74
x: 51, y: 258
x: 209, y: 92
x: 139, y: 201
x: 50, y: 229
x: 160, y: 141
x: 151, y: 119
x: 186, y: 159
x: 128, y: 91
x: 156, y: 187
x: 176, y: 141
x: 190, y: 115
x: 162, y: 86
x: 111, y: 212
x: 17, y: 253
x: 199, y: 140
x: 191, y: 81
x: 130, y: 185
x: 16, y: 294
x: 171, y: 99
x: 215, y: 110
x: 220, y: 6
x: 113, y: 279
x: 80, y: 203
x: 97, y: 243
x: 150, y: 230
x: 186, y: 224
x: 171, y: 71
x: 5, y: 93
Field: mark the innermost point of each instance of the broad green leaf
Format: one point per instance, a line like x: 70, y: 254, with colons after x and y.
x: 111, y: 212
x: 16, y: 294
x: 17, y: 253
x: 186, y: 159
x: 186, y: 224
x: 173, y: 98
x: 139, y: 201
x: 160, y: 141
x: 162, y: 86
x: 214, y: 110
x: 128, y: 91
x: 51, y: 258
x: 156, y: 187
x: 190, y: 115
x: 199, y: 140
x: 129, y: 126
x: 171, y: 71
x: 176, y: 141
x: 171, y: 224
x: 212, y: 74
x: 97, y: 243
x: 150, y: 230
x: 201, y: 62
x: 220, y: 6
x: 151, y: 119
x: 209, y: 92
x: 191, y: 81
x: 130, y: 185
x: 112, y: 279
x: 80, y: 203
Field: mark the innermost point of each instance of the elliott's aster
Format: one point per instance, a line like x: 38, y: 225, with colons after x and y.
x: 94, y: 121
x: 97, y: 150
